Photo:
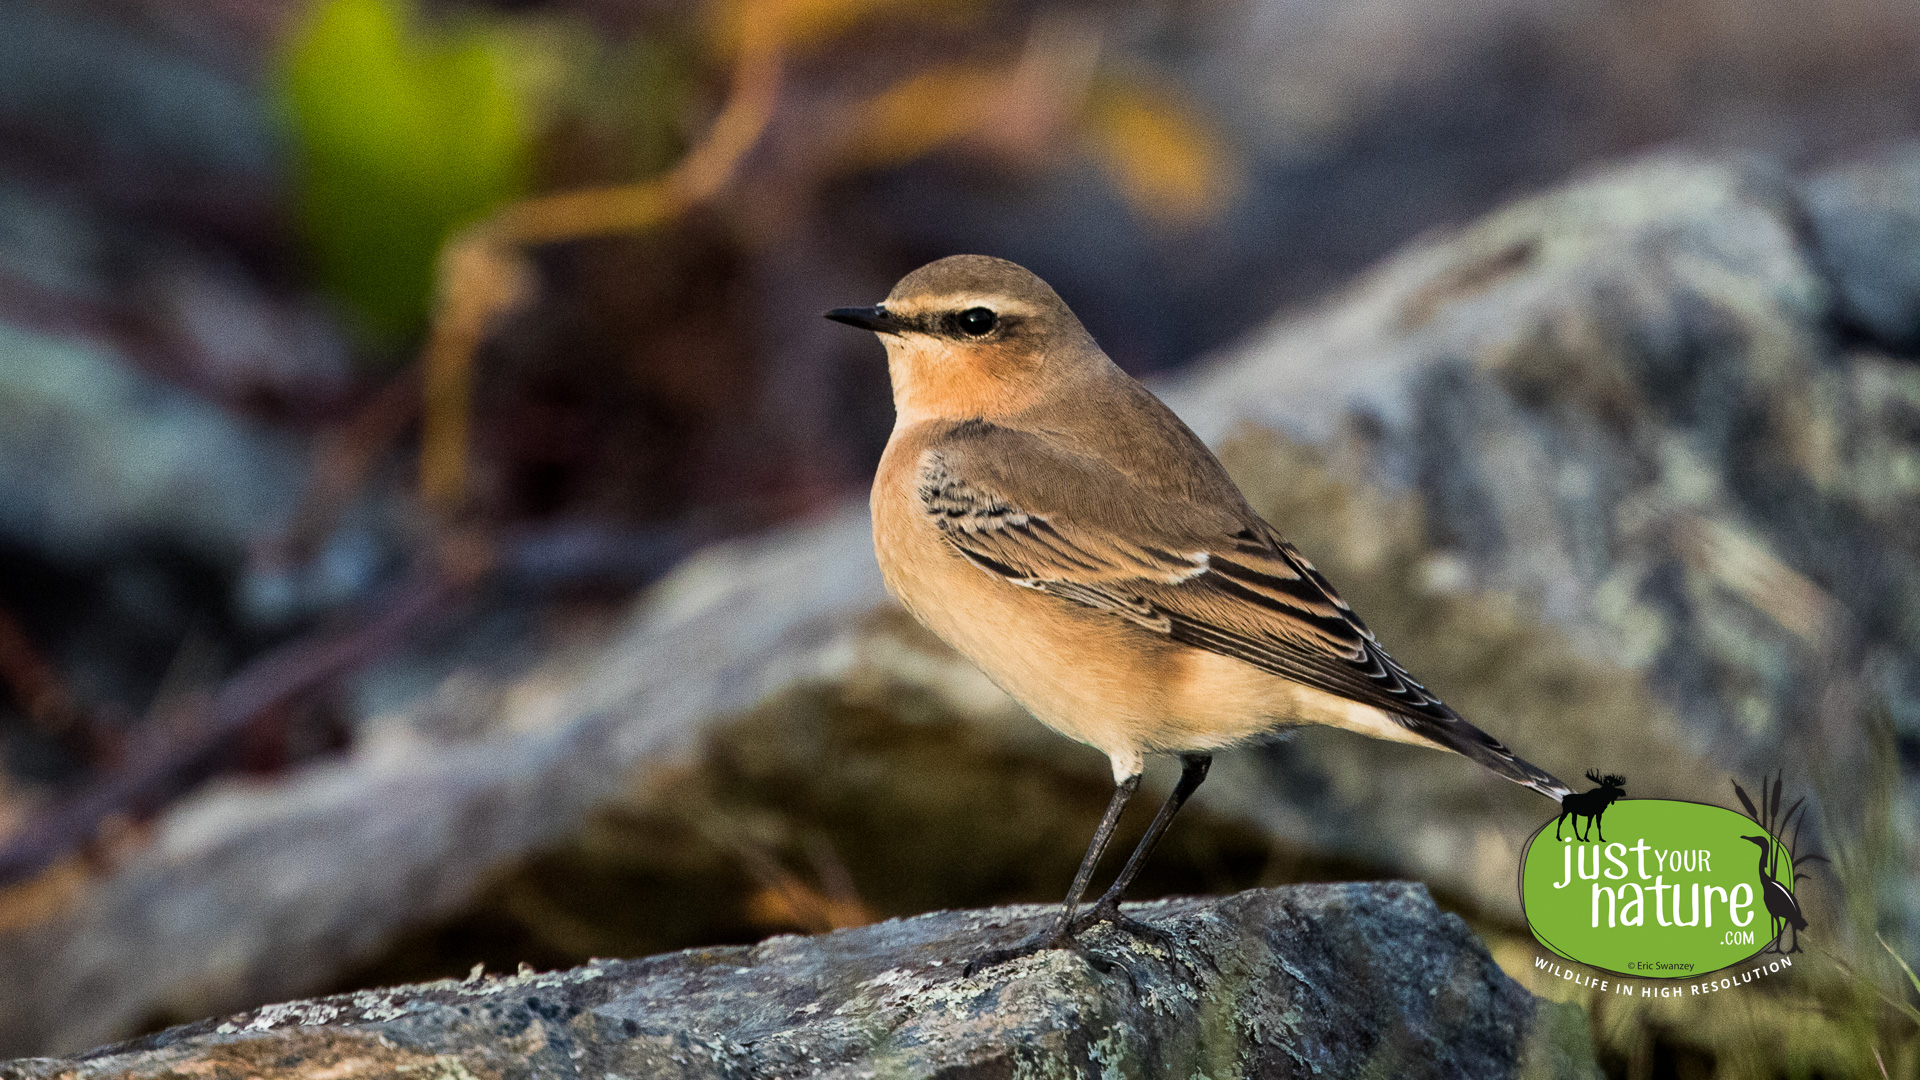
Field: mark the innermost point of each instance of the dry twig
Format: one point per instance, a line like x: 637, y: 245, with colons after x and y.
x: 163, y: 761
x: 35, y: 682
x: 346, y: 457
x: 484, y: 275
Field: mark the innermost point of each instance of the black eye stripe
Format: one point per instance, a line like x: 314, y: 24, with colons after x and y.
x: 955, y: 324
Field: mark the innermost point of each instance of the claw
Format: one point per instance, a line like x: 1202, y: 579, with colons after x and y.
x: 1048, y: 939
x: 1126, y: 924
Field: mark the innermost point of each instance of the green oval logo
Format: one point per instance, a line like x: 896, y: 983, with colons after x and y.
x: 1675, y: 890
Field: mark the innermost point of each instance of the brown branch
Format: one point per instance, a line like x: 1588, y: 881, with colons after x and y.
x: 787, y: 899
x: 36, y: 684
x: 571, y: 215
x: 484, y: 275
x: 346, y: 457
x: 163, y: 763
x: 481, y: 281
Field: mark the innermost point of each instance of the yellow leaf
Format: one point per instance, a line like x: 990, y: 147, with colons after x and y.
x: 800, y: 24
x: 1166, y: 159
x: 919, y: 115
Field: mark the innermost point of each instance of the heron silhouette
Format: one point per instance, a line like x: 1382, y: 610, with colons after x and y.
x: 1781, y: 906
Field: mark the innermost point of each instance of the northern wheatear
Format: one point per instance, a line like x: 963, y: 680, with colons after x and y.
x: 1043, y: 513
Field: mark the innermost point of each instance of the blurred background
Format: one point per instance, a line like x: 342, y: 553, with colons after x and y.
x: 430, y: 501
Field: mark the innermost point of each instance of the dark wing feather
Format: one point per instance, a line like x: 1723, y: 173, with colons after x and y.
x: 1241, y: 592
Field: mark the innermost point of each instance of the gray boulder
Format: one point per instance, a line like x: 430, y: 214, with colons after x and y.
x: 1320, y: 980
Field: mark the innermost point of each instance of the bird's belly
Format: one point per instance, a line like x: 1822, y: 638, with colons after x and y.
x: 1074, y: 669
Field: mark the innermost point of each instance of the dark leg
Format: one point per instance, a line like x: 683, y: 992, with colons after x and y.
x: 1597, y: 818
x: 1558, y: 820
x: 1060, y: 934
x: 1193, y: 770
x: 1088, y: 862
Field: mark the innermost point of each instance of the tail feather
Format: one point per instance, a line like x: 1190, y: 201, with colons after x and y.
x: 1463, y: 738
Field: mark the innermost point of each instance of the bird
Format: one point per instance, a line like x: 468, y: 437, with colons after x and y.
x: 1782, y: 908
x: 1042, y: 512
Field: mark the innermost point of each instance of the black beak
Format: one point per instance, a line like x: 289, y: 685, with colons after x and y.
x: 873, y: 318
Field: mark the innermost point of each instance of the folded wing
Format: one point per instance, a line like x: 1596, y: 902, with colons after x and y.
x: 1215, y: 578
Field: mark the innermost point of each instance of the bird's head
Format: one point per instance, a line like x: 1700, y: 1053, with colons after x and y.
x: 974, y: 336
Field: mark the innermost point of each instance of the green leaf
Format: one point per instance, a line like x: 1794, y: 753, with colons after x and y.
x: 401, y: 138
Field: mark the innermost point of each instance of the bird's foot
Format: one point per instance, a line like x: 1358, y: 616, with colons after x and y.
x: 1108, y: 911
x: 1055, y: 937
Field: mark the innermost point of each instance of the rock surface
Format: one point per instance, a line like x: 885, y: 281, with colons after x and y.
x: 1321, y: 980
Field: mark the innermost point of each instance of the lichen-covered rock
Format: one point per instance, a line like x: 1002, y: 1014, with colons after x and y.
x: 1864, y: 220
x: 1321, y: 980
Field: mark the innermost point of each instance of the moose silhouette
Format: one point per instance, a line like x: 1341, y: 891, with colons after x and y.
x: 1591, y: 804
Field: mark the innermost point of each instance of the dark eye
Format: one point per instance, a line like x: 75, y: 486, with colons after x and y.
x: 977, y: 321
